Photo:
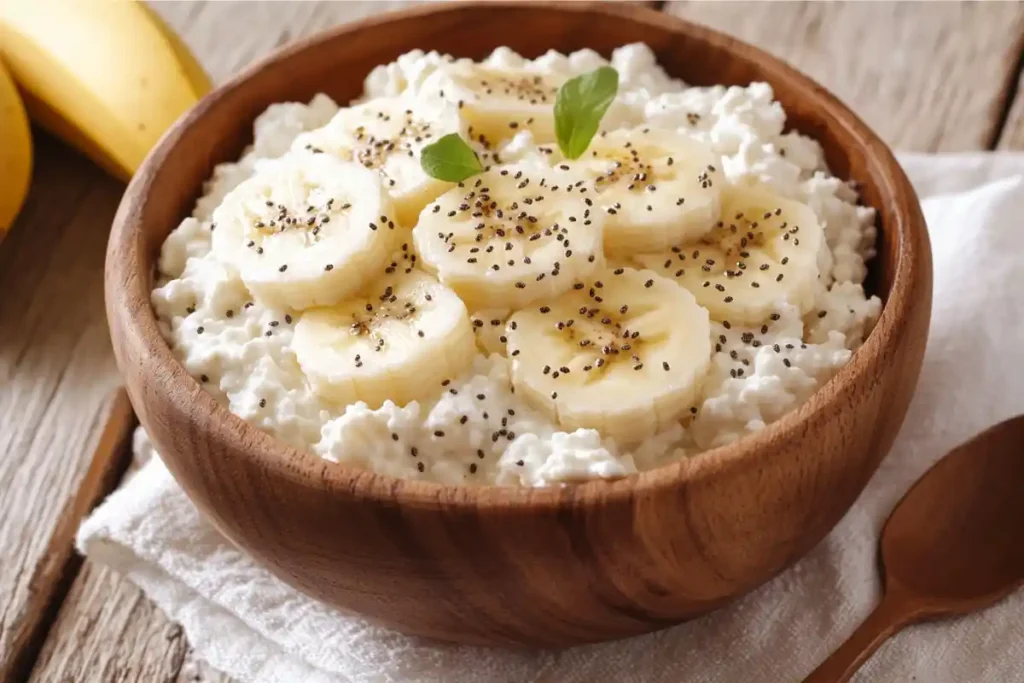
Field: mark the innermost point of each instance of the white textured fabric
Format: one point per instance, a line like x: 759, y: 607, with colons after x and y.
x: 248, y: 624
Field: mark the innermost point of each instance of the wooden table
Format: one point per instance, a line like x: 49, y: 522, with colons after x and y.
x: 938, y: 77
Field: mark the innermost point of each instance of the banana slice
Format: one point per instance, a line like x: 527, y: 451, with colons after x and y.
x: 305, y: 230
x: 624, y: 352
x: 388, y: 134
x: 508, y: 236
x: 761, y: 254
x: 657, y: 187
x: 489, y: 327
x: 400, y: 340
x: 497, y: 103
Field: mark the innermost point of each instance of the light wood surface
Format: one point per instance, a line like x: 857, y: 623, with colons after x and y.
x: 258, y: 27
x: 115, y: 634
x: 953, y: 545
x: 56, y: 378
x: 930, y: 77
x: 490, y: 565
x: 62, y: 185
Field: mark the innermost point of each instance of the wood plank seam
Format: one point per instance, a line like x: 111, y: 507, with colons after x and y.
x: 110, y: 459
x: 1009, y: 95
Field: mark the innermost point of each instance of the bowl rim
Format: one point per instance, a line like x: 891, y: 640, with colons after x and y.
x: 128, y: 293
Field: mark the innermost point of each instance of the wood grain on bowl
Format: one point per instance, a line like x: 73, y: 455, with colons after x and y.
x: 501, y: 565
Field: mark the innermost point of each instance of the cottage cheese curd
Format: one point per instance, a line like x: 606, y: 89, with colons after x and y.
x: 476, y: 429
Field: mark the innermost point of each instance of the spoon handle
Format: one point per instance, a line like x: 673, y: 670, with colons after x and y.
x: 891, y: 615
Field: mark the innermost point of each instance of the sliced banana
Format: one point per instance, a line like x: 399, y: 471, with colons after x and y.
x: 497, y: 103
x: 400, y: 340
x: 489, y: 327
x: 657, y: 187
x: 761, y: 254
x: 624, y: 352
x: 388, y: 134
x: 508, y: 237
x: 305, y: 230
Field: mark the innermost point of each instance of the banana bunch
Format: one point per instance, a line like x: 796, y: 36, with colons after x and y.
x: 107, y: 77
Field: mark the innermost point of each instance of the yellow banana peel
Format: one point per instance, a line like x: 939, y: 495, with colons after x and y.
x: 107, y: 76
x: 15, y: 152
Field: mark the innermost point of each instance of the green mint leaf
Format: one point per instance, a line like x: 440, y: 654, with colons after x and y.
x: 579, y: 107
x: 450, y: 159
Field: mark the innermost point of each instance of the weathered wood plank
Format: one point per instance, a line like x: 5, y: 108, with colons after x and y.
x: 927, y: 76
x: 57, y: 376
x: 255, y: 28
x: 112, y: 633
x: 227, y: 36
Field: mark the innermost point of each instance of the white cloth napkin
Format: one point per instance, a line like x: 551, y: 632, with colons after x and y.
x: 253, y: 627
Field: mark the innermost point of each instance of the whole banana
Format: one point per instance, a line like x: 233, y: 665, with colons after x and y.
x: 108, y: 77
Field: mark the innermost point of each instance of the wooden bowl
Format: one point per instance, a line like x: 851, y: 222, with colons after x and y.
x: 549, y: 566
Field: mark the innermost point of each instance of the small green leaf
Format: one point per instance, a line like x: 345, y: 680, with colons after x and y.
x: 450, y: 159
x: 579, y: 107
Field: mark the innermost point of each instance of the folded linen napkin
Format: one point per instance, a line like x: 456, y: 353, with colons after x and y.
x: 253, y: 627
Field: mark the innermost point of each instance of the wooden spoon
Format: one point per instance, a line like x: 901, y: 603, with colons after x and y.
x: 953, y: 545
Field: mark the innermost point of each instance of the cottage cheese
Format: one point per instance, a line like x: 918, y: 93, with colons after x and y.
x: 478, y: 430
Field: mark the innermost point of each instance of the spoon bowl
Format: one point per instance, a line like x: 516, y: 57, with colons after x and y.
x: 953, y: 545
x: 957, y: 537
